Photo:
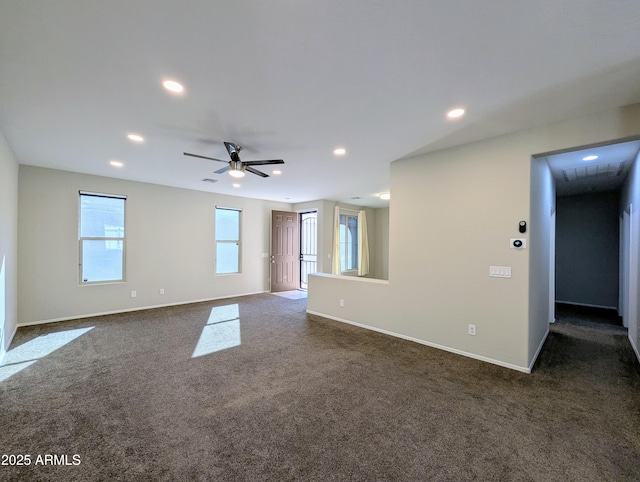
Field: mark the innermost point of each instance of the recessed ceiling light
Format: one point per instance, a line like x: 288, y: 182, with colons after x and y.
x: 135, y: 138
x: 385, y: 195
x: 236, y: 184
x: 173, y: 86
x: 340, y: 151
x: 116, y: 163
x: 590, y: 158
x: 277, y: 173
x: 453, y: 114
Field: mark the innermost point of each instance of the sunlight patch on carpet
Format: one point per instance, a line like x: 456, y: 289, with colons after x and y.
x: 28, y: 353
x: 222, y: 330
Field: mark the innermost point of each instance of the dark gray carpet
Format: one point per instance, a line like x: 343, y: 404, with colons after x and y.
x: 303, y: 398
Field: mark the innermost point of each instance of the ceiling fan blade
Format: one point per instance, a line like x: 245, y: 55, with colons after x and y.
x: 263, y: 163
x: 203, y: 157
x: 222, y: 170
x: 231, y: 147
x: 255, y: 171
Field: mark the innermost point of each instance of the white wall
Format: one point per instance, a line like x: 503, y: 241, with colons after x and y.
x: 170, y: 245
x: 541, y: 297
x: 452, y: 215
x: 8, y: 245
x: 631, y: 195
x: 382, y: 244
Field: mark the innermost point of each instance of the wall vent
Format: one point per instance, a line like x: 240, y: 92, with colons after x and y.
x: 602, y: 170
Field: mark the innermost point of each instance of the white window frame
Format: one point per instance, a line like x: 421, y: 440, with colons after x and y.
x: 238, y: 241
x: 344, y: 253
x: 106, y: 239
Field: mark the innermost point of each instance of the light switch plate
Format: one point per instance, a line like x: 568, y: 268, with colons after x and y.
x: 500, y: 271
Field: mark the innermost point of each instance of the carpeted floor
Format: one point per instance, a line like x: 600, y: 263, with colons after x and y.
x: 254, y: 389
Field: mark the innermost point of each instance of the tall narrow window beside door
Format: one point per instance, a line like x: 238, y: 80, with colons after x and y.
x: 348, y: 242
x: 101, y: 237
x: 227, y: 234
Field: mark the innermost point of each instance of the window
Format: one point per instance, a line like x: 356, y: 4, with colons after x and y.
x: 227, y: 231
x: 101, y: 237
x: 348, y: 242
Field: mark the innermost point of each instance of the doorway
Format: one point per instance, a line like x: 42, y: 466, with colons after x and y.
x: 294, y: 249
x: 285, y: 249
x: 589, y: 236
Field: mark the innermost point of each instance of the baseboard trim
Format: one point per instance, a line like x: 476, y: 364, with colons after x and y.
x: 6, y: 343
x: 424, y: 342
x: 128, y: 310
x: 635, y: 348
x: 587, y: 305
x: 535, y: 356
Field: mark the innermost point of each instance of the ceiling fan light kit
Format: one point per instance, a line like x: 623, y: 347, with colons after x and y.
x: 236, y: 169
x: 235, y: 166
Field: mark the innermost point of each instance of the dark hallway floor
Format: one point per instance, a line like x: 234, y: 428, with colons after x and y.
x: 588, y: 316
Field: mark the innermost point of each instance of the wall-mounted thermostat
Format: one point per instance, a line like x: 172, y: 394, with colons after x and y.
x: 518, y: 243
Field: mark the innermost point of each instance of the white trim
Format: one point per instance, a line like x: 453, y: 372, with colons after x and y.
x: 351, y: 278
x: 635, y: 348
x: 100, y: 194
x: 535, y: 356
x: 427, y: 343
x: 228, y: 209
x: 588, y: 305
x: 140, y: 308
x: 6, y: 344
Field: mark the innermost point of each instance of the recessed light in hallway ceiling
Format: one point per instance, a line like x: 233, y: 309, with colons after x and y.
x: 173, y: 86
x: 455, y: 113
x: 135, y: 138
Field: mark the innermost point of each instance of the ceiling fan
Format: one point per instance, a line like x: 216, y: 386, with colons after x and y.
x: 236, y: 167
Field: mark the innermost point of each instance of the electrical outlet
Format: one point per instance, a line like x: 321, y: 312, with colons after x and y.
x: 472, y: 330
x: 341, y: 303
x: 134, y: 294
x: 161, y: 291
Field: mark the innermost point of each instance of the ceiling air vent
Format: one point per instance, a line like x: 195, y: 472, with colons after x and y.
x: 601, y: 170
x: 212, y: 181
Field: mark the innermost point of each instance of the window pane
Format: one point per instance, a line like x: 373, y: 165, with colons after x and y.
x: 227, y: 224
x: 227, y: 258
x: 102, y: 260
x: 101, y: 216
x: 348, y: 242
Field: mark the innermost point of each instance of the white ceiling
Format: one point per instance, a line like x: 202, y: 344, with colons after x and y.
x: 294, y: 79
